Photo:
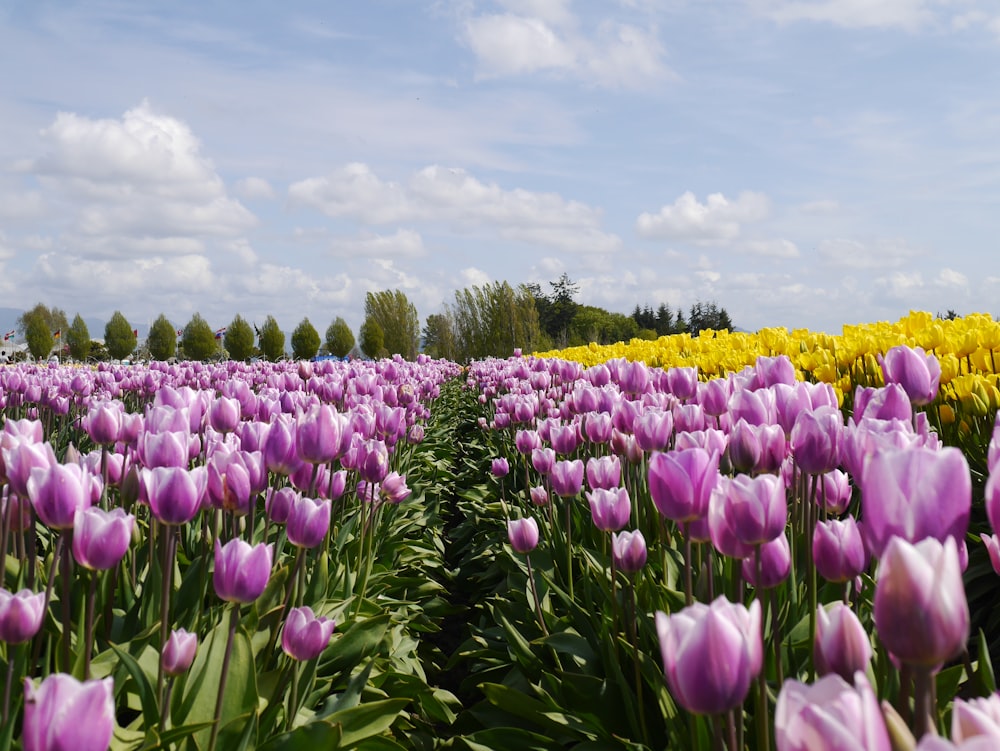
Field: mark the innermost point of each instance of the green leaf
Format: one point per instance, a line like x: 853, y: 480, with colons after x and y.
x: 361, y: 640
x: 146, y: 691
x: 350, y: 698
x: 366, y: 720
x: 984, y: 668
x: 201, y: 687
x: 315, y: 735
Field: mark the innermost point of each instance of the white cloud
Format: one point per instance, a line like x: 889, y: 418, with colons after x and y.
x: 718, y: 220
x: 140, y: 177
x: 822, y: 206
x: 905, y: 14
x: 901, y: 285
x: 15, y: 205
x: 877, y: 254
x: 452, y: 195
x: 403, y: 242
x: 535, y: 36
x: 254, y: 188
x: 120, y: 278
x: 473, y: 277
x: 513, y: 45
x: 951, y: 278
x: 778, y: 248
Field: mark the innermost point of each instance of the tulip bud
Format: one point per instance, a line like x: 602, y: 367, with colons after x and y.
x: 179, y: 651
x: 305, y: 636
x: 523, y: 534
x: 63, y: 713
x: 842, y: 645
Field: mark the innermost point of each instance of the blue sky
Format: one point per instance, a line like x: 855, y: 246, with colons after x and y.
x: 803, y: 163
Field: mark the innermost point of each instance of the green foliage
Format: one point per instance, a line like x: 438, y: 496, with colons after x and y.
x: 38, y: 325
x: 494, y: 320
x: 162, y: 339
x: 397, y: 317
x: 118, y: 336
x: 198, y: 339
x: 305, y: 341
x: 238, y: 339
x: 439, y: 336
x: 78, y: 338
x: 339, y: 338
x: 372, y: 338
x: 593, y: 324
x: 272, y: 339
x: 98, y: 351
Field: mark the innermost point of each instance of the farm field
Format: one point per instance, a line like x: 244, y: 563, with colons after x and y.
x: 774, y: 540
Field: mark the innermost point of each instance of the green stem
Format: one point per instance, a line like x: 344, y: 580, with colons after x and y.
x: 88, y: 638
x: 234, y: 617
x: 168, y: 536
x: 293, y: 696
x: 534, y: 595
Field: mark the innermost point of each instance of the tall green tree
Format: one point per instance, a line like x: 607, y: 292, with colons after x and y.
x: 372, y: 338
x: 339, y: 338
x: 397, y: 317
x: 439, y: 337
x: 77, y: 338
x: 38, y: 325
x: 198, y: 339
x: 118, y: 336
x: 238, y: 339
x: 305, y: 341
x: 494, y: 320
x: 272, y: 339
x: 162, y: 339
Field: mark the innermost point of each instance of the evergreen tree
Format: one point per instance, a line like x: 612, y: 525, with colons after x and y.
x: 78, y: 338
x: 198, y: 339
x: 372, y: 338
x: 305, y: 341
x: 38, y: 336
x: 339, y: 338
x: 439, y: 337
x: 664, y: 320
x: 119, y: 336
x: 238, y: 339
x: 272, y: 340
x: 162, y: 339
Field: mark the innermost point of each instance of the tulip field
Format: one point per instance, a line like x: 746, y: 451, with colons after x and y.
x: 781, y: 540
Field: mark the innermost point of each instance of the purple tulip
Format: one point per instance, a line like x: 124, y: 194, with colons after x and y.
x: 101, y: 538
x: 308, y: 521
x: 977, y: 718
x: 523, y: 534
x: 653, y: 429
x: 21, y: 615
x: 842, y: 645
x: 278, y: 503
x: 229, y: 483
x: 681, y: 483
x: 755, y: 508
x: 564, y: 439
x: 20, y: 458
x: 539, y: 495
x: 838, y: 549
x: 713, y: 396
x: 305, y: 636
x: 769, y: 371
x: 165, y: 449
x: 992, y: 543
x: 179, y: 651
x: 567, y: 478
x: 63, y: 714
x: 175, y: 494
x: 744, y: 446
x: 241, y: 570
x: 57, y: 492
x: 318, y: 434
x: 526, y: 441
x: 887, y: 403
x: 279, y: 449
x: 815, y: 439
x: 597, y: 427
x: 224, y: 414
x: 688, y: 418
x: 628, y: 550
x: 373, y: 463
x: 835, y: 491
x: 683, y: 382
x: 603, y: 472
x: 756, y: 407
x: 915, y: 493
x: 829, y: 715
x: 394, y: 488
x: 711, y: 654
x: 103, y: 422
x: 917, y: 372
x: 610, y: 508
x: 775, y: 564
x: 921, y: 612
x: 499, y: 467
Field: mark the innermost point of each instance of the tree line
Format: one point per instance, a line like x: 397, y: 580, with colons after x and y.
x: 489, y: 320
